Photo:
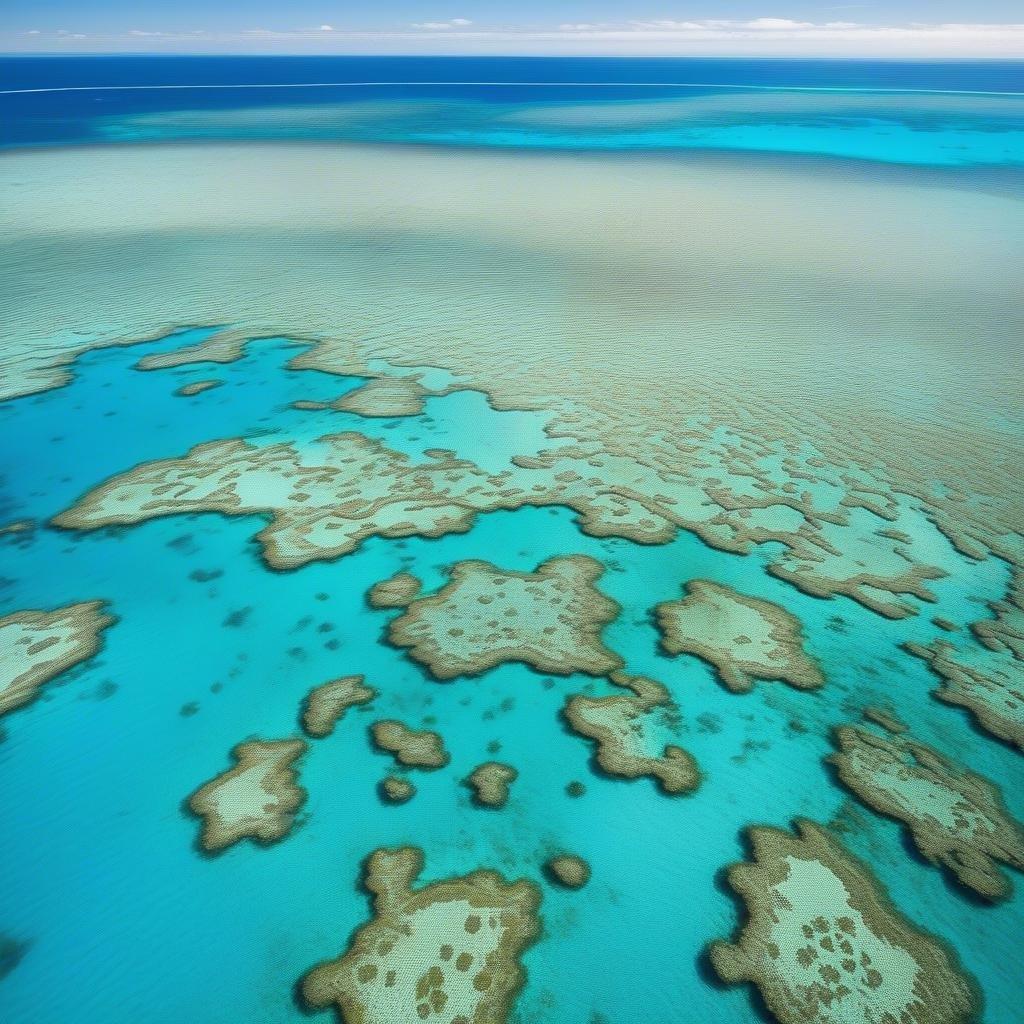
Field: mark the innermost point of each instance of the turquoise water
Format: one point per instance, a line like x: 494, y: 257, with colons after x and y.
x: 103, y: 883
x: 991, y: 135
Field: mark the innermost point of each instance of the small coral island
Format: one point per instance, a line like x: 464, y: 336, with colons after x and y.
x: 197, y: 387
x: 824, y: 944
x: 621, y: 726
x: 394, y: 789
x: 37, y: 646
x: 415, y: 748
x: 326, y: 704
x: 448, y: 951
x: 744, y: 638
x: 550, y: 619
x: 490, y: 783
x: 568, y: 870
x: 956, y: 818
x: 257, y: 799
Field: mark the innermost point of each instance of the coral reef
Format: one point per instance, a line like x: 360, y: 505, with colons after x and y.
x: 823, y: 943
x: 395, y: 789
x: 256, y: 799
x: 36, y: 646
x: 744, y: 638
x: 956, y: 818
x: 568, y: 870
x: 197, y: 387
x: 383, y: 397
x: 987, y: 681
x: 415, y: 748
x: 620, y: 726
x: 550, y: 619
x: 396, y: 592
x: 326, y: 704
x: 448, y: 951
x: 490, y: 783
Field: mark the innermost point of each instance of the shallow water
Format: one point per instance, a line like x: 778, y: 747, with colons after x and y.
x: 118, y: 913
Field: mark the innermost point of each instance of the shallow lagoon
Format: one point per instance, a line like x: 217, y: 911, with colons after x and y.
x: 133, y: 919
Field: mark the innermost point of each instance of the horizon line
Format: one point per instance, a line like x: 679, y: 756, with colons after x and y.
x: 518, y: 56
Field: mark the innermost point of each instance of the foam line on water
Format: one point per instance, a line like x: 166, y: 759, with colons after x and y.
x: 610, y: 85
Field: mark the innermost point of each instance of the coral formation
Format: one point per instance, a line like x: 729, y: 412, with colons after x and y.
x: 256, y: 799
x: 396, y: 790
x: 987, y: 679
x: 326, y: 704
x: 36, y: 646
x: 823, y: 943
x: 886, y: 719
x: 197, y: 387
x: 744, y: 638
x: 568, y: 870
x: 448, y: 951
x: 620, y: 725
x: 550, y: 619
x: 957, y: 819
x: 396, y: 592
x: 709, y: 430
x: 222, y: 346
x: 383, y: 397
x: 490, y: 783
x: 415, y: 748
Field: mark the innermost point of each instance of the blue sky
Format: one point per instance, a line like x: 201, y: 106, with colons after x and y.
x: 710, y: 27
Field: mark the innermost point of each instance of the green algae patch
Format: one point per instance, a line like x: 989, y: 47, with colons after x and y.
x: 325, y: 705
x: 197, y: 387
x: 394, y: 789
x: 448, y: 952
x: 620, y: 725
x: 568, y: 871
x: 957, y: 819
x: 490, y: 783
x: 396, y: 592
x: 256, y: 799
x: 415, y: 748
x: 37, y: 646
x: 823, y: 943
x: 744, y: 638
x: 550, y: 619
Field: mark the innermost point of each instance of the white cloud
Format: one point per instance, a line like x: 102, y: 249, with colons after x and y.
x: 440, y: 26
x: 776, y: 24
x: 667, y: 25
x: 765, y: 36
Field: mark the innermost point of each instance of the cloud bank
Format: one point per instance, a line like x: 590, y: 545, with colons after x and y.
x: 764, y: 36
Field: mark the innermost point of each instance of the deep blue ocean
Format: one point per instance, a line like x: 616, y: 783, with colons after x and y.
x: 475, y: 101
